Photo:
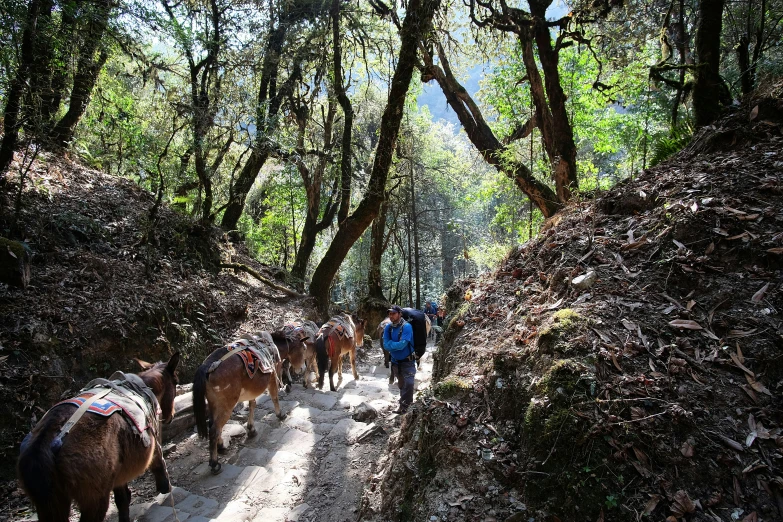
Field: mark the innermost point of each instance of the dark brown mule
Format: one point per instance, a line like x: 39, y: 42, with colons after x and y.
x: 229, y: 383
x: 99, y: 455
x: 310, y: 330
x: 341, y: 335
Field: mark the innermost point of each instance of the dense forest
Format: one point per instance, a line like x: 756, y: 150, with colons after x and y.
x: 589, y: 190
x: 296, y: 123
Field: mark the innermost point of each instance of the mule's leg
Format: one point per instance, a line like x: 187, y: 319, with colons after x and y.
x: 352, y: 355
x: 251, y: 419
x: 56, y: 508
x: 339, y: 368
x: 331, y: 374
x: 159, y: 471
x: 273, y: 394
x: 289, y: 380
x: 96, y: 510
x: 122, y: 498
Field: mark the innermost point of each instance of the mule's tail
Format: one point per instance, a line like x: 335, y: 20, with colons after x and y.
x: 323, y: 358
x: 36, y: 470
x: 199, y: 399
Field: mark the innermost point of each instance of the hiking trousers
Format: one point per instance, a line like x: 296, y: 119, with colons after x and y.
x: 406, y: 373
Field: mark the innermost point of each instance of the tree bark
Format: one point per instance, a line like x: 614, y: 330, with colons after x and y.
x: 13, y: 104
x: 558, y: 135
x: 415, y: 230
x: 417, y: 22
x: 345, y: 104
x: 377, y: 247
x: 708, y: 85
x: 86, y: 75
x: 313, y: 182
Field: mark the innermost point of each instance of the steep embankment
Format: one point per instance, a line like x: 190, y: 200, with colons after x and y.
x: 653, y: 387
x: 100, y: 296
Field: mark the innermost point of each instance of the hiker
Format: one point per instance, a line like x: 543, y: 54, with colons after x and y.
x: 431, y: 310
x: 398, y: 340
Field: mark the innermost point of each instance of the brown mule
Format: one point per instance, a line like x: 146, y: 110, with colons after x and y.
x: 99, y: 454
x: 342, y: 334
x: 226, y: 382
x: 310, y: 330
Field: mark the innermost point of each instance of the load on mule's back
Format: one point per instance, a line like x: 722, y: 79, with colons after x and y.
x: 340, y: 335
x: 241, y: 371
x: 87, y: 447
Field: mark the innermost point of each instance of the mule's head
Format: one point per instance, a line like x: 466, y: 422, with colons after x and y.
x: 382, y: 327
x: 162, y: 379
x: 297, y: 355
x: 358, y: 328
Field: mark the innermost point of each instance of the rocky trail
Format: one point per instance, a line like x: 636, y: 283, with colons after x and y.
x: 313, y: 465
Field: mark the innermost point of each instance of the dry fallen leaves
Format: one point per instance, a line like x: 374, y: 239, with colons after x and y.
x: 686, y: 324
x: 759, y: 295
x: 682, y: 504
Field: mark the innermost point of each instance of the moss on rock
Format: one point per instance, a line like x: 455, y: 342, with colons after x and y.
x: 562, y: 326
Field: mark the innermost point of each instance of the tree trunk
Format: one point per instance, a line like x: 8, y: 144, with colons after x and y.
x: 482, y: 137
x: 377, y: 247
x: 448, y: 250
x: 267, y: 106
x: 50, y: 101
x: 708, y: 85
x: 415, y: 229
x: 86, y: 75
x: 13, y: 104
x: 557, y: 133
x: 345, y: 104
x: 417, y: 22
x: 313, y: 183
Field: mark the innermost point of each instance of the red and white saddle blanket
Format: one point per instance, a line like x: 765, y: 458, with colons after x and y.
x: 133, y: 407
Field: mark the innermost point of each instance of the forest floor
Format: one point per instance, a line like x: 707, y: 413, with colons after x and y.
x: 625, y: 364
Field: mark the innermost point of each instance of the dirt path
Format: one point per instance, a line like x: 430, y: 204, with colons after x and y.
x: 307, y: 467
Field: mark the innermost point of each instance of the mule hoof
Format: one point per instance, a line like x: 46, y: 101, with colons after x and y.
x: 217, y: 468
x: 251, y: 433
x: 282, y: 416
x: 288, y: 388
x: 164, y: 488
x: 385, y: 365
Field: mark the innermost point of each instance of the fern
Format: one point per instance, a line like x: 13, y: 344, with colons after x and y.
x: 667, y: 146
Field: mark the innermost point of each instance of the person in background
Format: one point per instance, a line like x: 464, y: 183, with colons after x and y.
x: 431, y: 310
x: 398, y: 340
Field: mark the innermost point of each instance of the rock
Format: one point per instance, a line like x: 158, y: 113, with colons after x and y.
x: 364, y: 412
x: 14, y: 263
x: 178, y: 425
x: 585, y: 281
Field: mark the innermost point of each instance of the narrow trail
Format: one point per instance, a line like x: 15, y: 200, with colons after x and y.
x: 306, y: 467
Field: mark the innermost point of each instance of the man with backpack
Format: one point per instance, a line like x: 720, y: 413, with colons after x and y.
x: 398, y: 340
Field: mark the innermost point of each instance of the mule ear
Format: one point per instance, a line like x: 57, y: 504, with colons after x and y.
x: 171, y: 366
x: 144, y: 365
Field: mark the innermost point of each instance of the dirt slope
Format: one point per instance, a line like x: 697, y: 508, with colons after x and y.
x: 98, y: 297
x: 654, y: 389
